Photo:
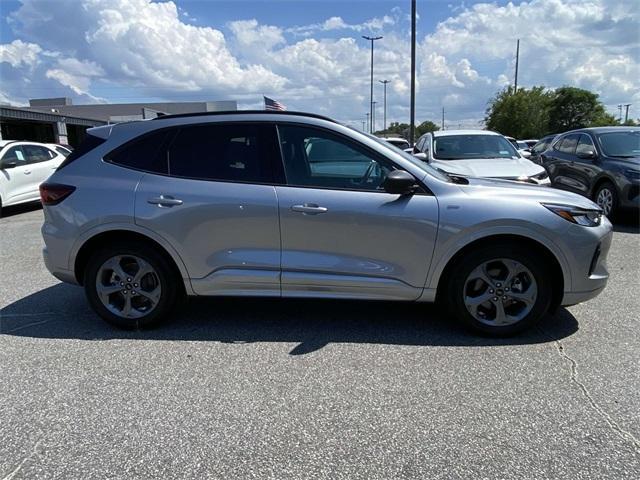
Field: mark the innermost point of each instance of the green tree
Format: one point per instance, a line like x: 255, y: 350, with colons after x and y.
x: 577, y: 108
x: 425, y: 127
x: 521, y: 114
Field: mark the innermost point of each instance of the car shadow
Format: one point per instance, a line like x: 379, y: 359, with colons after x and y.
x: 61, y: 312
x: 627, y: 222
x: 11, y: 210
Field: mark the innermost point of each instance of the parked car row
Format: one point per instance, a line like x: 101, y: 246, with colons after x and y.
x: 601, y: 163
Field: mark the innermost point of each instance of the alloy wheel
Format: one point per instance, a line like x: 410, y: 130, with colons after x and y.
x: 605, y: 200
x: 500, y: 292
x: 128, y: 286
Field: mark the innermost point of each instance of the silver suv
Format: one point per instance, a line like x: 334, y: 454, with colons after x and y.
x: 297, y: 205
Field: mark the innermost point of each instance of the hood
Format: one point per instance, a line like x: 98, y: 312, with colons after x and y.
x: 489, y: 167
x: 509, y: 190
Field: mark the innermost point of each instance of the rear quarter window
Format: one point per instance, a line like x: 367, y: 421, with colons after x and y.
x: 147, y: 152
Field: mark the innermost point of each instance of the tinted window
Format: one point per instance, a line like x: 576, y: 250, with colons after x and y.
x: 585, y: 145
x: 147, y: 152
x: 568, y: 144
x: 322, y: 159
x: 89, y: 143
x: 541, y: 146
x: 227, y: 152
x: 36, y: 153
x: 14, y: 155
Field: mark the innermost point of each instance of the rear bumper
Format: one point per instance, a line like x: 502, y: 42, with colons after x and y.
x: 61, y: 274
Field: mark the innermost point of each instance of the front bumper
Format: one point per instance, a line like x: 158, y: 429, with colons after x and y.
x: 588, y: 262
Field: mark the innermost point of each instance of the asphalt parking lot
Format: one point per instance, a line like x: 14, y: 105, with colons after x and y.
x: 239, y: 388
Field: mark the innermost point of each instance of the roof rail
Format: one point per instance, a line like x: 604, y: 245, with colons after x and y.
x: 244, y: 112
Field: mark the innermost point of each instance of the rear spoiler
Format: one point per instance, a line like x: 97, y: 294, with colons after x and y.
x: 101, y: 132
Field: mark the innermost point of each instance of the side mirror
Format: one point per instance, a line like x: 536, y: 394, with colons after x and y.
x: 587, y: 154
x: 10, y: 164
x: 420, y: 155
x: 399, y: 182
x: 525, y: 153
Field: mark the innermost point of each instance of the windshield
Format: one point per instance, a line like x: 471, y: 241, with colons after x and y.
x: 463, y: 147
x: 621, y: 144
x: 415, y: 161
x: 398, y: 143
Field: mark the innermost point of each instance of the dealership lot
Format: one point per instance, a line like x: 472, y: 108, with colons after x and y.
x: 312, y: 389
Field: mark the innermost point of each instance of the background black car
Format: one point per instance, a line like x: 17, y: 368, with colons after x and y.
x: 601, y: 163
x: 541, y: 145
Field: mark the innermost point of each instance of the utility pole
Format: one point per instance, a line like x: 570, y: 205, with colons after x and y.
x: 373, y: 116
x: 626, y: 112
x: 515, y: 90
x: 412, y: 123
x: 620, y: 113
x: 368, y: 122
x: 371, y: 39
x: 363, y: 126
x: 384, y: 82
x: 442, y: 118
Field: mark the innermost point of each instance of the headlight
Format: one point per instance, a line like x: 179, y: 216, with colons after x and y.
x: 632, y: 174
x: 580, y: 216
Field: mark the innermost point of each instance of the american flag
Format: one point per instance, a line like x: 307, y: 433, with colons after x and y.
x: 271, y: 104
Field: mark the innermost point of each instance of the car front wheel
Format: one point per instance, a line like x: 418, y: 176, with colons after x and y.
x: 130, y: 285
x: 607, y: 198
x: 499, y: 290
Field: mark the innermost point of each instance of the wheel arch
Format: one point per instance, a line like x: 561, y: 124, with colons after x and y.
x: 557, y: 272
x: 599, y: 182
x: 93, y: 242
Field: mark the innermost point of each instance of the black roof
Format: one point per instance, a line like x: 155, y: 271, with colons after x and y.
x: 244, y: 112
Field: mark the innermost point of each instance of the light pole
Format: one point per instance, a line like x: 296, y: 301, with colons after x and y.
x: 384, y: 82
x: 373, y: 118
x: 412, y: 124
x: 368, y: 121
x: 371, y: 39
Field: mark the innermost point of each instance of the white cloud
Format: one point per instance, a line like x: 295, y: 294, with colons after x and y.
x: 148, y: 49
x: 18, y: 53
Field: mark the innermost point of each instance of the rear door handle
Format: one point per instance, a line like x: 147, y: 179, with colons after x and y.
x: 309, y: 209
x: 164, y: 201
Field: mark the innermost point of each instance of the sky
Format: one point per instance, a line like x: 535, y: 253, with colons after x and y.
x: 310, y: 54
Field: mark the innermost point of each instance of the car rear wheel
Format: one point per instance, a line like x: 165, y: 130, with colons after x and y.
x: 499, y: 290
x: 130, y: 285
x: 606, y: 197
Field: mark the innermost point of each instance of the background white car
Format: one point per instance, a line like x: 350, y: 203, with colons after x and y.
x: 478, y: 153
x: 23, y: 167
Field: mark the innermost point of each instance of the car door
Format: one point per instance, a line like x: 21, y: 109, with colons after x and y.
x: 585, y: 167
x: 215, y: 204
x: 15, y: 175
x: 559, y: 162
x: 342, y: 234
x: 42, y: 163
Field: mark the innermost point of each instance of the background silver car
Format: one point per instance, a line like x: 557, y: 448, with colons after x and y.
x: 478, y: 153
x: 296, y: 205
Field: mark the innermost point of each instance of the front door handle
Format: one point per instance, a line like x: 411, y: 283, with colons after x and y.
x: 309, y: 209
x: 27, y: 172
x: 164, y: 201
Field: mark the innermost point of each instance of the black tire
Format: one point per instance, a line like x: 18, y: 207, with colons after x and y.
x: 466, y: 264
x: 170, y: 284
x: 611, y: 188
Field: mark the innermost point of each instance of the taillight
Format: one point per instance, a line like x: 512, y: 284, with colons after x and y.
x: 54, y: 193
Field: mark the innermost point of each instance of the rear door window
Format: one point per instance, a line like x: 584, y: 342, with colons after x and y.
x: 237, y: 152
x: 37, y: 154
x: 569, y: 143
